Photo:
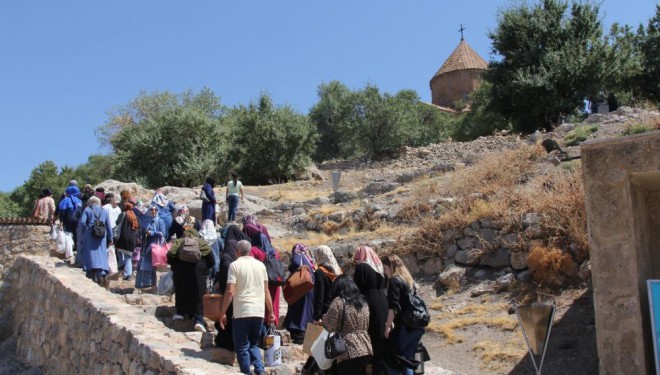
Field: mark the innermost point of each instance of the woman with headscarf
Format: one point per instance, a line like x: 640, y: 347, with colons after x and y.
x: 326, y: 273
x: 259, y: 253
x: 165, y: 209
x: 370, y: 279
x: 190, y: 277
x: 69, y: 210
x: 301, y: 312
x: 182, y: 218
x: 252, y: 228
x: 88, y: 192
x: 128, y: 234
x: 154, y: 232
x: 234, y: 233
x: 224, y: 337
x: 208, y: 208
x: 95, y: 254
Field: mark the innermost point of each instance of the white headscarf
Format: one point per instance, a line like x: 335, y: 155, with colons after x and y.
x: 324, y: 255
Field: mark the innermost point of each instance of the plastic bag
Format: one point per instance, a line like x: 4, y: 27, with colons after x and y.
x: 159, y: 254
x: 166, y: 284
x: 53, y: 232
x: 272, y: 352
x: 61, y: 242
x: 112, y: 261
x: 68, y: 245
x: 208, y: 232
x: 318, y: 351
x: 135, y: 258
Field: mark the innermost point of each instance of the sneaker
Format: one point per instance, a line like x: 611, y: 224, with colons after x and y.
x: 200, y: 327
x: 127, y: 278
x: 177, y: 317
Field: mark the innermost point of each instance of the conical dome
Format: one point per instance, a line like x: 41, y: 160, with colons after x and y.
x: 463, y: 57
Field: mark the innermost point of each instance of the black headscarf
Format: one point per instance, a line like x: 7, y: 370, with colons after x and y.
x: 233, y: 233
x: 226, y: 258
x: 211, y: 181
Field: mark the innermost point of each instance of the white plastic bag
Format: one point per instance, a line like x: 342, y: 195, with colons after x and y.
x: 53, y: 232
x: 112, y: 261
x: 166, y: 284
x: 208, y: 232
x: 272, y: 353
x: 318, y: 351
x: 61, y: 242
x: 68, y: 245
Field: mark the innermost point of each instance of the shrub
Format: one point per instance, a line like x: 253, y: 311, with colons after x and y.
x: 579, y: 134
x: 636, y: 129
x: 551, y: 266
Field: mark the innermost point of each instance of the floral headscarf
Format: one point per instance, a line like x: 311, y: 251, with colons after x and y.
x: 365, y: 254
x: 324, y: 255
x: 304, y: 250
x: 183, y: 215
x: 250, y: 219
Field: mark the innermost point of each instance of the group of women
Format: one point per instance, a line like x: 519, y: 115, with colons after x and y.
x: 366, y: 309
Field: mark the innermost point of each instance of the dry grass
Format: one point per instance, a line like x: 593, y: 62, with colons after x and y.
x: 293, y: 192
x: 313, y: 239
x: 550, y: 266
x: 504, y: 186
x: 486, y: 314
x: 497, y: 355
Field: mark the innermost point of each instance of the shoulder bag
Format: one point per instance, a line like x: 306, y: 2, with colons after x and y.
x: 335, y: 344
x: 415, y: 315
x: 98, y: 230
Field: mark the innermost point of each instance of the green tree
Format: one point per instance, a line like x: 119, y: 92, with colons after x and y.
x: 45, y: 175
x: 180, y: 147
x: 8, y: 208
x: 334, y: 115
x: 650, y: 47
x: 480, y: 120
x: 623, y: 73
x: 269, y: 142
x: 552, y: 58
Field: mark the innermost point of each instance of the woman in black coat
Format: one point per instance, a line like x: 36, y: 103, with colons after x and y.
x: 324, y: 276
x: 228, y: 256
x: 371, y: 281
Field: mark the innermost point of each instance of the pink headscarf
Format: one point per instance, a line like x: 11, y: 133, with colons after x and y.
x: 365, y: 254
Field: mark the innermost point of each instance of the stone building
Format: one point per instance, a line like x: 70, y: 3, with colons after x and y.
x: 459, y: 76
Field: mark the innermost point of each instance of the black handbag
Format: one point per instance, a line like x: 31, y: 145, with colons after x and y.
x: 416, y: 315
x: 335, y: 344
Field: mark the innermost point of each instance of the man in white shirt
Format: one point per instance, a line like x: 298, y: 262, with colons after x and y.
x: 247, y: 287
x: 113, y: 209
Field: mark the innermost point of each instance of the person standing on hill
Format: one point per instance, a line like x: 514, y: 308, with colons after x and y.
x: 95, y: 254
x: 247, y: 287
x: 234, y: 193
x: 208, y: 208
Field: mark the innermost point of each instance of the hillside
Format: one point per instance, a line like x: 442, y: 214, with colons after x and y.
x: 482, y: 225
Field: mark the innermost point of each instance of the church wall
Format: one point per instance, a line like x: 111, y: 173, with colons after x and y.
x: 450, y: 87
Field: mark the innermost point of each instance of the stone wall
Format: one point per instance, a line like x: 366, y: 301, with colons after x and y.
x: 450, y: 87
x: 16, y: 240
x: 622, y: 184
x: 66, y: 324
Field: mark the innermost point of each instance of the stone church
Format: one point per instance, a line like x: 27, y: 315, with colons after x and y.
x: 459, y: 76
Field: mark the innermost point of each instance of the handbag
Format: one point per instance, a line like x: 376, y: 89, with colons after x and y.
x: 135, y: 258
x: 335, y: 344
x: 204, y: 197
x: 297, y: 285
x: 98, y: 229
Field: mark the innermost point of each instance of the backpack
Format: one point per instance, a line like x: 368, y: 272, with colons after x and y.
x: 74, y: 214
x: 189, y: 251
x: 98, y: 230
x: 415, y: 315
x: 274, y: 270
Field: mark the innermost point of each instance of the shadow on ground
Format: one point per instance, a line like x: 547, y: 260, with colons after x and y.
x: 572, y: 344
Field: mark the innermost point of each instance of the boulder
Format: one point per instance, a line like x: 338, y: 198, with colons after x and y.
x: 519, y: 260
x: 469, y: 257
x: 452, y: 276
x: 486, y: 287
x: 487, y: 235
x: 504, y: 282
x: 432, y: 266
x: 337, y: 216
x: 311, y: 173
x: 378, y: 187
x: 530, y: 219
x: 341, y: 196
x: 451, y: 251
x: 524, y: 276
x: 466, y: 243
x: 509, y: 240
x: 410, y: 261
x: 497, y: 259
x: 585, y: 271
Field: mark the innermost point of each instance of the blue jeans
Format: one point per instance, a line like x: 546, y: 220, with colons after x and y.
x: 246, y: 333
x: 124, y: 260
x: 232, y: 201
x: 406, y: 342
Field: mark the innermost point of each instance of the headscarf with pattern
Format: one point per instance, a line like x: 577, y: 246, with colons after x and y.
x: 159, y: 199
x: 365, y: 254
x: 304, y: 250
x: 324, y: 255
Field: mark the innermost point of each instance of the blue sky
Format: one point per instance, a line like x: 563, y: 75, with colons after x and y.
x: 64, y: 64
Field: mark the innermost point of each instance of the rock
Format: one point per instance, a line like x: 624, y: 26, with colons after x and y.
x: 299, y: 211
x: 381, y: 214
x: 497, y: 259
x: 504, y: 282
x: 524, y: 276
x: 341, y: 196
x: 433, y: 266
x: 451, y: 251
x: 410, y: 261
x: 624, y: 111
x: 534, y: 232
x: 585, y: 271
x: 469, y: 257
x: 565, y: 128
x: 486, y: 287
x: 530, y: 219
x: 519, y: 260
x: 222, y: 356
x: 480, y: 275
x: 487, y: 235
x: 466, y: 243
x: 451, y: 235
x: 509, y: 240
x: 206, y: 341
x: 337, y: 216
x: 487, y: 223
x: 410, y: 176
x: 595, y: 118
x: 378, y: 187
x: 452, y: 276
x: 319, y: 201
x: 311, y: 173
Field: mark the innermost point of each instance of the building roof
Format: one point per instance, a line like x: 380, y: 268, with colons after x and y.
x: 463, y: 57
